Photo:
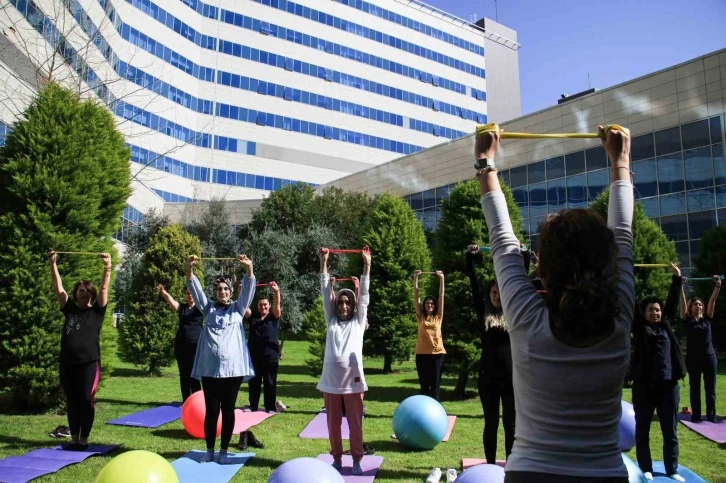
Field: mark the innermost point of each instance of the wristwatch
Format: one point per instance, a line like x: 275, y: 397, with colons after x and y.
x: 485, y: 164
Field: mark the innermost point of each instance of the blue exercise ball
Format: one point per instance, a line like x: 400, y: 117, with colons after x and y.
x: 305, y: 470
x: 420, y: 422
x: 627, y: 426
x: 483, y: 473
x: 634, y: 473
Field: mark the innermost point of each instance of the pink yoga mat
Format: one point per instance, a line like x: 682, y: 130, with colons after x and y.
x: 469, y: 462
x: 318, y: 428
x: 713, y: 431
x: 244, y: 421
x: 369, y: 465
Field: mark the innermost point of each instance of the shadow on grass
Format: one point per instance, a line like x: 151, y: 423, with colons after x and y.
x: 172, y: 434
x: 297, y: 370
x: 129, y: 372
x: 130, y: 403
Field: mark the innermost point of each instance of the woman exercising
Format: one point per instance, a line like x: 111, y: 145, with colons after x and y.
x: 429, y: 344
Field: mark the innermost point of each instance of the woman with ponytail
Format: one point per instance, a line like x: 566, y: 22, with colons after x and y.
x: 570, y: 347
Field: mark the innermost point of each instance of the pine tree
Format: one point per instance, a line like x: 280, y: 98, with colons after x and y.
x: 398, y: 248
x: 146, y: 336
x: 463, y: 223
x: 64, y: 181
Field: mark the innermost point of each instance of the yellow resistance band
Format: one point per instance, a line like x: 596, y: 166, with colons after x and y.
x: 493, y: 127
x: 652, y: 265
x: 77, y: 253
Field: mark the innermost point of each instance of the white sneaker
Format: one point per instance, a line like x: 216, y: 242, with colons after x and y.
x: 677, y: 477
x: 450, y: 475
x: 434, y: 476
x: 648, y: 475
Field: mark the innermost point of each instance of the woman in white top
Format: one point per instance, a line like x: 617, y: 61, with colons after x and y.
x: 342, y: 379
x: 570, y: 348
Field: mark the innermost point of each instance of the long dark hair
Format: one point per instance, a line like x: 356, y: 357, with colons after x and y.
x: 489, y: 307
x: 89, y: 288
x: 577, y: 265
x: 436, y: 305
x: 693, y: 301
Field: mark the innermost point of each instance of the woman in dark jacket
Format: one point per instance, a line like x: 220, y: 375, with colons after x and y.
x: 657, y: 365
x: 495, y: 366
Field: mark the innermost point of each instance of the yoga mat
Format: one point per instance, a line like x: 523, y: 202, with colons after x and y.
x: 660, y: 476
x: 318, y: 428
x: 450, y: 428
x: 151, y: 418
x: 43, y: 461
x: 244, y: 421
x: 190, y: 470
x: 451, y: 421
x: 467, y: 463
x: 713, y: 431
x: 369, y: 465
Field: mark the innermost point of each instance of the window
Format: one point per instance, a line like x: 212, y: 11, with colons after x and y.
x: 577, y: 190
x: 597, y: 181
x: 261, y: 118
x: 536, y: 172
x: 695, y: 134
x: 575, y: 163
x: 715, y: 124
x: 537, y: 199
x: 675, y: 227
x: 642, y: 147
x: 556, y: 195
x: 699, y: 222
x: 700, y: 200
x: 645, y: 178
x: 651, y: 206
x: 698, y: 168
x: 667, y: 141
x: 673, y: 204
x: 518, y: 176
x: 555, y: 167
x: 596, y: 158
x: 670, y: 173
x: 521, y: 196
x: 719, y: 167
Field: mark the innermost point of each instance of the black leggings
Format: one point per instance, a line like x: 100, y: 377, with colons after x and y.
x: 532, y: 477
x: 492, y: 390
x: 219, y: 393
x: 79, y: 384
x: 706, y: 366
x: 184, y: 354
x: 265, y: 370
x: 429, y: 368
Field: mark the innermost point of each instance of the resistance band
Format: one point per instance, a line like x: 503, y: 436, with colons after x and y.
x: 703, y: 279
x: 348, y: 279
x: 77, y: 253
x: 427, y: 273
x: 493, y: 127
x: 346, y: 250
x: 264, y: 284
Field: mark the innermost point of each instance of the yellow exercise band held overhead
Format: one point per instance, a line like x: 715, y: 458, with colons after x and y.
x: 493, y: 127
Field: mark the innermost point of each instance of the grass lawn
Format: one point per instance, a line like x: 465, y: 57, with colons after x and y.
x: 127, y: 391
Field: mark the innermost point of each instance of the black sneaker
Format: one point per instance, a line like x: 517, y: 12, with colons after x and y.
x: 254, y: 442
x: 695, y: 419
x: 711, y: 419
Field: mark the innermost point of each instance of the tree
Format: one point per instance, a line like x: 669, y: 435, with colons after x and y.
x: 278, y: 255
x: 463, y: 223
x: 398, y: 248
x: 316, y: 330
x: 711, y: 260
x: 64, y: 181
x: 650, y: 245
x: 137, y: 240
x: 146, y: 336
x: 218, y: 239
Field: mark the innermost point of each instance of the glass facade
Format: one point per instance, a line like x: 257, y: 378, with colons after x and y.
x: 679, y: 178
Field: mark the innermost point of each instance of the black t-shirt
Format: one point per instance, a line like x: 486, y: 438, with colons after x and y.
x: 191, y: 321
x: 263, y: 337
x: 660, y: 352
x: 698, y: 335
x: 81, y: 337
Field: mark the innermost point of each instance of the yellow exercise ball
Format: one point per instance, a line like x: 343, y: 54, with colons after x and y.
x: 137, y: 466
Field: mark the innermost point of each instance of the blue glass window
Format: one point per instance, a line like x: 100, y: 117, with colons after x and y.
x: 597, y: 181
x: 642, y: 147
x: 521, y: 196
x: 670, y: 173
x: 651, y: 206
x: 596, y: 158
x: 538, y: 199
x: 556, y: 195
x: 695, y: 134
x: 698, y: 167
x: 675, y: 227
x: 715, y: 124
x: 555, y: 167
x: 518, y: 176
x: 645, y: 178
x: 700, y: 200
x: 668, y: 141
x: 575, y: 163
x: 672, y: 204
x: 719, y: 166
x: 536, y: 172
x: 577, y: 191
x: 699, y: 222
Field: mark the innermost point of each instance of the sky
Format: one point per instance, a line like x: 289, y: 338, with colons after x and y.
x: 614, y: 41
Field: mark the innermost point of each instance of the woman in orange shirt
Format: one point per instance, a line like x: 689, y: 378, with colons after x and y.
x: 429, y: 345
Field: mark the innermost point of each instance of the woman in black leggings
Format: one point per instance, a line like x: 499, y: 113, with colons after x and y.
x: 495, y: 366
x: 191, y: 322
x: 700, y: 356
x: 80, y: 354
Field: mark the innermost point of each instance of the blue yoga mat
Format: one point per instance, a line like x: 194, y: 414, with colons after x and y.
x: 190, y: 470
x: 151, y: 418
x: 43, y: 461
x: 659, y: 474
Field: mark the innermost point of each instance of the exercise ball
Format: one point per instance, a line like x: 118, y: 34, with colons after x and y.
x: 420, y: 422
x: 137, y: 466
x: 305, y: 470
x: 627, y: 426
x: 634, y: 473
x: 192, y: 416
x: 483, y: 473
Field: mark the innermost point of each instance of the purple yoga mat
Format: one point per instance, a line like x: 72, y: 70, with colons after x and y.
x: 151, y: 418
x: 369, y: 465
x: 39, y: 462
x: 318, y: 428
x: 713, y: 431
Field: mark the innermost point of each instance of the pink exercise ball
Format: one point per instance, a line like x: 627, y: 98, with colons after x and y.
x: 192, y: 416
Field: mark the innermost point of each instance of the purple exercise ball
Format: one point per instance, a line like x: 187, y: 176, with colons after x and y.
x: 305, y: 470
x: 483, y: 473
